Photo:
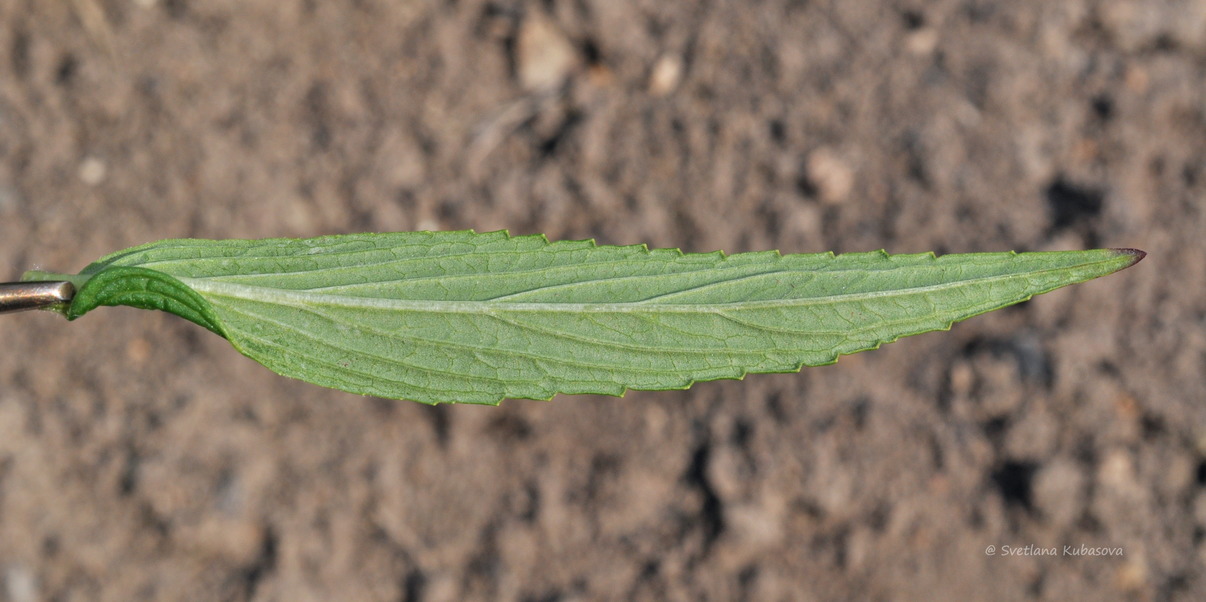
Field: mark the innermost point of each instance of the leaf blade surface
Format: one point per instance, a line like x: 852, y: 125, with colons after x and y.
x: 467, y: 317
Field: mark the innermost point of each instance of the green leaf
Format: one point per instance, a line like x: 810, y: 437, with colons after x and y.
x: 474, y: 318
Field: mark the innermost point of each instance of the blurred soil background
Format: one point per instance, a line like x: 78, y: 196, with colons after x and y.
x: 141, y: 458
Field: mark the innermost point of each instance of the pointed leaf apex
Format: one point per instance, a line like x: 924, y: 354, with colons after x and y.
x: 1136, y: 255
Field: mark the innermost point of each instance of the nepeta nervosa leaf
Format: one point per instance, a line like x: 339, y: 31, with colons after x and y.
x: 474, y: 318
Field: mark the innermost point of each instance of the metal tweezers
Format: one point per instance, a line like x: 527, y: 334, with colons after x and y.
x: 20, y: 296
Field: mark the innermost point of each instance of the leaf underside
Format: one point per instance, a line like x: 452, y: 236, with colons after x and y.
x: 474, y: 318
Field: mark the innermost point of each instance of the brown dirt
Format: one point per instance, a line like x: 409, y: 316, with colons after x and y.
x: 142, y: 458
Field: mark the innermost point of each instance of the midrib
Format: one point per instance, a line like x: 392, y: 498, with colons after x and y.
x: 309, y: 299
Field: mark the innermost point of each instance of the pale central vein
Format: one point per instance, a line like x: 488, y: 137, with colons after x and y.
x: 304, y: 298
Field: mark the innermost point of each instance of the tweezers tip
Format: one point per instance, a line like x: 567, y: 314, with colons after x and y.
x: 20, y: 296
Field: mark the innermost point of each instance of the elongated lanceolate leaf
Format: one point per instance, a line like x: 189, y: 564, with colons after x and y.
x: 474, y: 318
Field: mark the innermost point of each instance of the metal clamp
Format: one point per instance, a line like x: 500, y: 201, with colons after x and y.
x: 20, y: 296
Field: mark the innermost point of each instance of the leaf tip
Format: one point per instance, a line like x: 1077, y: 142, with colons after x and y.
x: 1136, y: 255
